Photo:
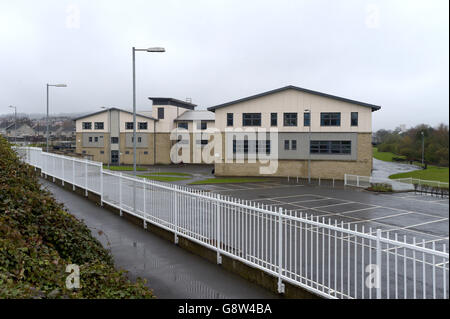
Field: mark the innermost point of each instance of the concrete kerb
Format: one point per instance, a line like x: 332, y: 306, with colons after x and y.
x: 247, y: 272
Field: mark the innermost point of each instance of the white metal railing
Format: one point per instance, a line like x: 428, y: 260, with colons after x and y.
x: 397, y: 184
x: 420, y: 182
x: 330, y: 259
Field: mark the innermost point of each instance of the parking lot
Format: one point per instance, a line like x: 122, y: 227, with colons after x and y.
x: 422, y: 217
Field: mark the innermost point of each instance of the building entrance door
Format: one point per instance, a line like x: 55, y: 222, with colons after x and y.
x: 114, y: 157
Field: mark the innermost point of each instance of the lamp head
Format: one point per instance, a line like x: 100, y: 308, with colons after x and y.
x: 156, y: 49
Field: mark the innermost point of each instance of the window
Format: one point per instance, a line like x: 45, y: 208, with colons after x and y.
x: 84, y: 152
x: 160, y: 113
x: 245, y: 146
x: 202, y: 125
x: 114, y: 140
x: 142, y: 125
x: 90, y: 139
x: 87, y: 125
x: 183, y: 125
x: 229, y: 119
x: 306, y: 119
x: 98, y: 125
x: 354, y: 119
x: 139, y: 139
x: 251, y: 119
x: 331, y: 147
x: 294, y: 145
x: 129, y: 125
x: 267, y: 146
x: 290, y: 119
x: 202, y: 142
x: 330, y: 119
x: 102, y: 152
x: 145, y: 153
x: 286, y: 145
x: 273, y: 119
x: 127, y: 152
x: 96, y: 139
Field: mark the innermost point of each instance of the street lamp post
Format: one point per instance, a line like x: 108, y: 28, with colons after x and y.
x: 308, y: 111
x: 156, y: 49
x: 15, y: 123
x: 423, y: 147
x: 58, y: 86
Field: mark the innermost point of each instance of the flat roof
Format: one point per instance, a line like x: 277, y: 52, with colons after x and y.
x: 172, y: 101
x: 199, y: 115
x: 291, y: 87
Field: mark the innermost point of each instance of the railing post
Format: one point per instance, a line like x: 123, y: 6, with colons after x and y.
x: 378, y: 252
x: 219, y: 257
x: 54, y: 168
x: 63, y: 175
x: 73, y: 174
x: 144, y: 204
x: 86, y: 178
x: 280, y: 251
x: 120, y: 193
x: 175, y: 238
x: 101, y: 185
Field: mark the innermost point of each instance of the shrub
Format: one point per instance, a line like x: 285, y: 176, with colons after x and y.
x: 38, y: 239
x: 380, y: 187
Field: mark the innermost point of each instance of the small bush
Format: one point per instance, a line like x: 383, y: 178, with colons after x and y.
x: 38, y: 239
x: 380, y: 187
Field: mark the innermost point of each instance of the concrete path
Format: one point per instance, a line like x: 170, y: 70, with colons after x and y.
x: 171, y: 271
x: 382, y: 169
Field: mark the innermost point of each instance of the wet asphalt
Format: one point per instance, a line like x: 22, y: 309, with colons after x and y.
x: 171, y: 272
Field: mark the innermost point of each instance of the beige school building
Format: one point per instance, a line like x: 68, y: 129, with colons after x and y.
x: 289, y: 127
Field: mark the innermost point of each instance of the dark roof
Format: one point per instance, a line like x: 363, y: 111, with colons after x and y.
x: 171, y: 101
x: 291, y: 87
x: 112, y: 108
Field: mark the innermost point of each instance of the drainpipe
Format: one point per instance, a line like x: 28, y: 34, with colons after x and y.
x: 154, y: 142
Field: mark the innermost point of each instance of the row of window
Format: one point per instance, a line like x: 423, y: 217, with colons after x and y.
x: 316, y: 147
x: 100, y: 125
x: 291, y: 119
x: 200, y: 126
x: 114, y: 140
x: 94, y: 139
x: 97, y: 125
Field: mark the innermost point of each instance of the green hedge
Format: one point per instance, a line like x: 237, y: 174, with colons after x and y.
x: 38, y: 239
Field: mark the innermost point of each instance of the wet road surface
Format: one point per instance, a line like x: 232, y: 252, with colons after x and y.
x: 171, y: 271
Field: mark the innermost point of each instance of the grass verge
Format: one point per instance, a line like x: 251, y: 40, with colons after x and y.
x: 384, y: 156
x: 432, y: 173
x: 123, y: 168
x: 228, y: 180
x: 163, y: 178
x: 39, y: 239
x: 171, y: 174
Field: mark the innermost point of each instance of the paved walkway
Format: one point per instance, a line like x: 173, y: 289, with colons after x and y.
x: 171, y: 271
x: 382, y: 169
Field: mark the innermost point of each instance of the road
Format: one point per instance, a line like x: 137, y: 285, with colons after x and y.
x: 171, y: 271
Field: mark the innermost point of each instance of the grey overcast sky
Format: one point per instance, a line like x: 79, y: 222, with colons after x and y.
x: 391, y: 53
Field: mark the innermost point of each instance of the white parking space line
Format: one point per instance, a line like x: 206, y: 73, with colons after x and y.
x: 299, y: 195
x: 419, y: 200
x: 347, y: 202
x: 312, y: 200
x: 290, y: 186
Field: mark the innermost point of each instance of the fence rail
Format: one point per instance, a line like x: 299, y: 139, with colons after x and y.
x: 399, y: 184
x: 318, y: 254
